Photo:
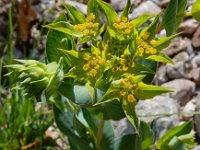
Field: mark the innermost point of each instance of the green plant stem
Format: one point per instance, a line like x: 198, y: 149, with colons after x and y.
x: 100, y: 134
x: 10, y: 36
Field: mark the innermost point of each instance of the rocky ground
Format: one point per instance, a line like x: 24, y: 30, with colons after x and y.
x: 183, y: 76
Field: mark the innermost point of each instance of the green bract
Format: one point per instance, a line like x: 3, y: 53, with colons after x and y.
x: 100, y: 70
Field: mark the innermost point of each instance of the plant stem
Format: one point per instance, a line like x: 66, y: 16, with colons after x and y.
x: 100, y: 134
x: 10, y: 36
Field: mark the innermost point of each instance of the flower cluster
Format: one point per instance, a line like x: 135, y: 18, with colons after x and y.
x: 122, y: 26
x: 128, y: 88
x: 90, y: 27
x: 123, y: 63
x: 144, y: 46
x: 92, y: 64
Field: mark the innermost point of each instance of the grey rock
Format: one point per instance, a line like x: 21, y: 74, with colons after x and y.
x: 80, y: 6
x: 147, y: 7
x: 196, y: 147
x: 182, y: 56
x: 194, y: 74
x: 161, y: 75
x: 176, y: 45
x: 151, y: 109
x: 196, y: 61
x: 122, y: 127
x: 197, y: 116
x: 184, y: 90
x: 189, y: 26
x: 176, y: 71
x: 119, y: 5
x: 196, y: 38
x: 156, y: 107
x: 189, y: 108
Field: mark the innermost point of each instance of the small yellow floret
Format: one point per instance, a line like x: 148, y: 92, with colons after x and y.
x: 117, y: 19
x: 86, y: 67
x: 131, y: 98
x: 86, y: 32
x: 124, y: 19
x: 93, y: 72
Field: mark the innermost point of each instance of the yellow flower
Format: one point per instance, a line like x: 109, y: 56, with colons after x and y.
x: 124, y: 19
x: 86, y: 67
x: 117, y: 19
x: 131, y: 98
x: 93, y: 72
x: 90, y: 18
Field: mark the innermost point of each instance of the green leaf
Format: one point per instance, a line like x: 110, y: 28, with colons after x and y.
x: 64, y: 121
x: 176, y: 144
x: 126, y: 9
x: 181, y: 12
x: 76, y: 93
x: 147, y: 135
x: 55, y: 80
x: 92, y: 7
x: 131, y: 115
x: 163, y: 42
x: 173, y: 15
x: 196, y: 10
x: 75, y: 16
x: 169, y: 18
x: 149, y: 91
x: 108, y: 10
x: 64, y: 27
x: 182, y: 129
x: 59, y: 40
x: 161, y: 58
x: 147, y: 67
x: 109, y: 110
x: 151, y: 29
x: 128, y: 142
x: 92, y: 125
x: 141, y: 20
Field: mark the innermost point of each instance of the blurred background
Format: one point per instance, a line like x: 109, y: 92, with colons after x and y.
x: 27, y: 124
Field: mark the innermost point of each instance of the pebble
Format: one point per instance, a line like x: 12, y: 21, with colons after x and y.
x: 147, y: 7
x: 188, y: 27
x: 184, y: 90
x: 196, y: 38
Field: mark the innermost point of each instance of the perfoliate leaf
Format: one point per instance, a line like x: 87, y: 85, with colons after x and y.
x: 76, y: 17
x: 161, y: 58
x: 173, y: 15
x: 141, y: 20
x: 169, y: 18
x: 182, y: 129
x: 128, y: 142
x: 147, y: 135
x: 126, y: 9
x: 151, y: 29
x: 59, y: 40
x: 181, y: 12
x: 64, y: 121
x: 149, y: 91
x: 92, y: 7
x: 64, y: 27
x: 129, y: 110
x: 108, y: 10
x: 163, y: 42
x: 176, y: 144
x: 196, y: 10
x: 55, y: 80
